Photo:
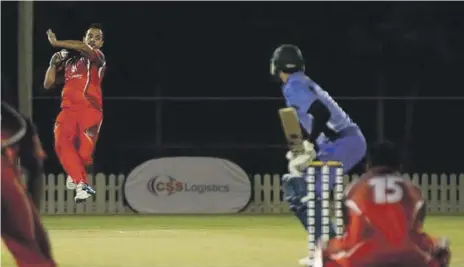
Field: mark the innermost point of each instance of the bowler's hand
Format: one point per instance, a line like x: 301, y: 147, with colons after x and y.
x: 59, y: 57
x: 51, y: 37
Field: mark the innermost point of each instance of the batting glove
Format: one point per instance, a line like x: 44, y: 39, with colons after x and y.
x: 297, y: 163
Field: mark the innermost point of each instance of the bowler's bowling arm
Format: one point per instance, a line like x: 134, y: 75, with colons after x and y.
x: 81, y: 47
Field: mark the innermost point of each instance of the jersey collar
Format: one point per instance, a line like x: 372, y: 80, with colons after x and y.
x: 294, y: 76
x: 291, y: 77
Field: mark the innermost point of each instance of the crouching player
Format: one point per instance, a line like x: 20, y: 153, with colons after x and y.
x: 384, y: 217
x: 22, y: 230
x: 330, y: 129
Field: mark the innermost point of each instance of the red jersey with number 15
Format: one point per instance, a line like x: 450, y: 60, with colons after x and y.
x: 83, y: 76
x: 382, y: 203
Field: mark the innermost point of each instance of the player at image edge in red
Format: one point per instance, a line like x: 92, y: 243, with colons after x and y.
x: 22, y: 231
x: 384, y: 216
x: 78, y: 124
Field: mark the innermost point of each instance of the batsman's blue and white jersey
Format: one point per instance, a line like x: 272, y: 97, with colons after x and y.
x: 302, y: 93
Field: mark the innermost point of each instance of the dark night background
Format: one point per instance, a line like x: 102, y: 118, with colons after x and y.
x: 180, y: 50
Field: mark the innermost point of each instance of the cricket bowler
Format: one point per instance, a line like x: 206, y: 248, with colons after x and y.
x: 78, y: 124
x: 333, y: 136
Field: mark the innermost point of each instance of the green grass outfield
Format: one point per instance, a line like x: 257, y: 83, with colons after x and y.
x: 195, y: 241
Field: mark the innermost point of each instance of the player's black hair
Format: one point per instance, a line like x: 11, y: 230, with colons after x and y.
x: 384, y: 154
x: 97, y: 26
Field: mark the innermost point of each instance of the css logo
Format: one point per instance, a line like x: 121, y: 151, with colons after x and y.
x: 164, y: 185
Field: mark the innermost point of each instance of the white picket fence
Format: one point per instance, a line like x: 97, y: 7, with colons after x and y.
x: 444, y: 194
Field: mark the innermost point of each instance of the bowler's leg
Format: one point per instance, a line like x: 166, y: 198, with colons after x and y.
x: 89, y: 129
x: 65, y: 135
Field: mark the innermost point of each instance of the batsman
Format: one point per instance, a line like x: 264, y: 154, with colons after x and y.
x: 332, y: 135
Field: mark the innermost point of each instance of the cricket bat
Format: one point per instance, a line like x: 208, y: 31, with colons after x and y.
x: 292, y: 129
